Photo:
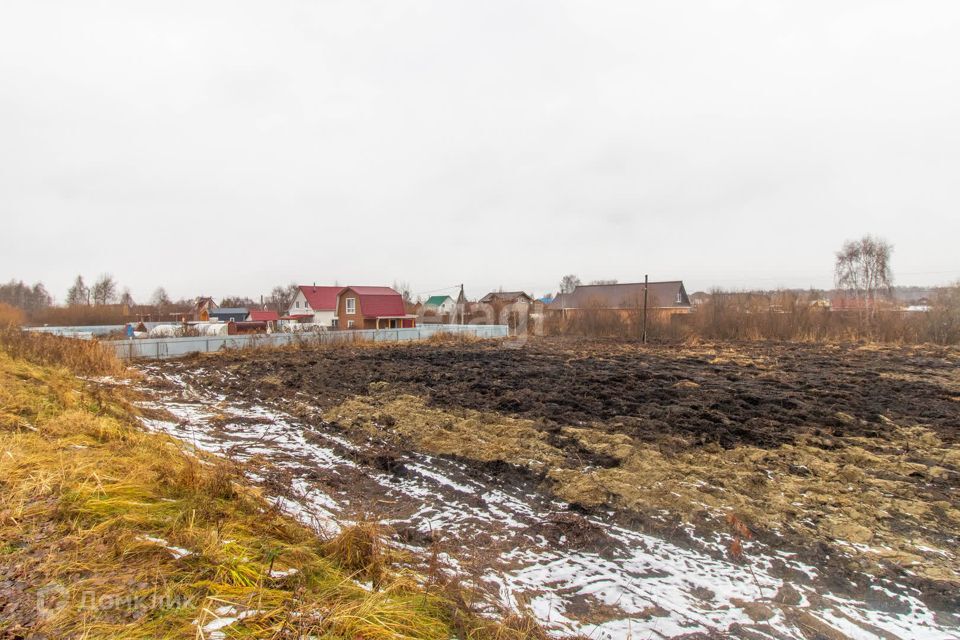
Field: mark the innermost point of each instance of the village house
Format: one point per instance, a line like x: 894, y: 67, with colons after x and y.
x: 371, y: 308
x: 313, y: 304
x: 440, y: 305
x: 204, y: 306
x: 506, y: 297
x: 506, y: 307
x: 666, y: 298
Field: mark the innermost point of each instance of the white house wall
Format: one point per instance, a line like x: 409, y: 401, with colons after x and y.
x: 323, y: 317
x: 303, y: 307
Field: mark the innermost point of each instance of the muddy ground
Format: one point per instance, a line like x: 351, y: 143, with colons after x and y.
x: 755, y: 394
x: 846, y: 456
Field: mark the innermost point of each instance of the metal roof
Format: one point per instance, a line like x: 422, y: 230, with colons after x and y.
x: 378, y: 301
x: 321, y: 298
x: 436, y: 301
x: 263, y: 315
x: 505, y: 295
x: 229, y: 311
x: 623, y: 296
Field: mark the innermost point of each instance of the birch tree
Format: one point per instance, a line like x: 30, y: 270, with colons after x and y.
x: 862, y: 271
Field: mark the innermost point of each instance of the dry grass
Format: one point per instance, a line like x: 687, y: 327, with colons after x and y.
x: 831, y: 489
x: 846, y: 489
x: 485, y: 436
x: 11, y: 317
x: 147, y: 539
x: 449, y: 337
x: 360, y: 550
x: 83, y: 357
x: 782, y: 315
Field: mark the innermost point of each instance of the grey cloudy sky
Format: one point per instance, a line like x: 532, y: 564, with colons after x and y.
x: 224, y: 147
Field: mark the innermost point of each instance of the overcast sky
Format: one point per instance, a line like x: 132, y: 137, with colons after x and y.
x: 225, y: 147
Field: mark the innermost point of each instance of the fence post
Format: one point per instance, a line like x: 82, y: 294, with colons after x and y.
x: 646, y: 281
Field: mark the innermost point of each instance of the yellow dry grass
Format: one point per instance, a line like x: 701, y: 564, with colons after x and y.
x: 83, y: 357
x: 847, y: 490
x: 144, y: 538
x: 858, y: 492
x: 408, y: 420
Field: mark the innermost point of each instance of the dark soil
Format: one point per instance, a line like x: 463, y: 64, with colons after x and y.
x: 758, y: 394
x: 768, y: 394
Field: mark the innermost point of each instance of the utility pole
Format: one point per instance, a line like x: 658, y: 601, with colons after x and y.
x: 646, y: 281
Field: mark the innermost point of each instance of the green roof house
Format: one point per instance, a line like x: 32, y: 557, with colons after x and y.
x: 440, y: 305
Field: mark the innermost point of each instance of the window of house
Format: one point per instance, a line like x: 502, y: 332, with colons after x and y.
x: 351, y: 305
x: 333, y: 323
x: 679, y: 301
x: 349, y: 324
x: 298, y: 304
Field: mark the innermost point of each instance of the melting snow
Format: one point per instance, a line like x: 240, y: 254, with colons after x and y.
x: 653, y: 588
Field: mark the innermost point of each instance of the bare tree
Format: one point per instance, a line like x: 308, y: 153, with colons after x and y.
x: 104, y: 290
x: 282, y: 297
x: 78, y: 294
x: 237, y: 301
x: 404, y: 289
x: 21, y: 295
x: 126, y: 298
x: 160, y: 297
x: 568, y: 283
x: 862, y: 270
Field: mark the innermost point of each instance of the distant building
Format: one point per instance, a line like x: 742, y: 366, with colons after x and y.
x: 372, y: 308
x: 670, y: 297
x: 506, y: 297
x: 511, y: 308
x: 263, y: 315
x: 440, y: 305
x: 699, y: 298
x: 203, y: 308
x: 268, y: 316
x: 314, y: 304
x: 229, y: 314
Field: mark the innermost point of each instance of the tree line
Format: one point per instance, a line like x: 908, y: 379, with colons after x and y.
x: 106, y: 290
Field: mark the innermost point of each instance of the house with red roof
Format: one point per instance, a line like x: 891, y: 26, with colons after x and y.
x: 269, y: 316
x: 314, y: 304
x: 372, y: 308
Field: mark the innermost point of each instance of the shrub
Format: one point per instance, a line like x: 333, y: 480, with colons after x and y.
x: 10, y: 317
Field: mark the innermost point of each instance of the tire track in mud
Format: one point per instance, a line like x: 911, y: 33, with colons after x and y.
x: 578, y: 573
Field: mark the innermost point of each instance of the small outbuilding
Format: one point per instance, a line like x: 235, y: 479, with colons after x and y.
x: 268, y: 316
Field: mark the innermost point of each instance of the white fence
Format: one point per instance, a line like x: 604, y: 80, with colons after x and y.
x: 175, y: 347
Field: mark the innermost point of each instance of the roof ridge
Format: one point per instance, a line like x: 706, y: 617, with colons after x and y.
x: 615, y: 284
